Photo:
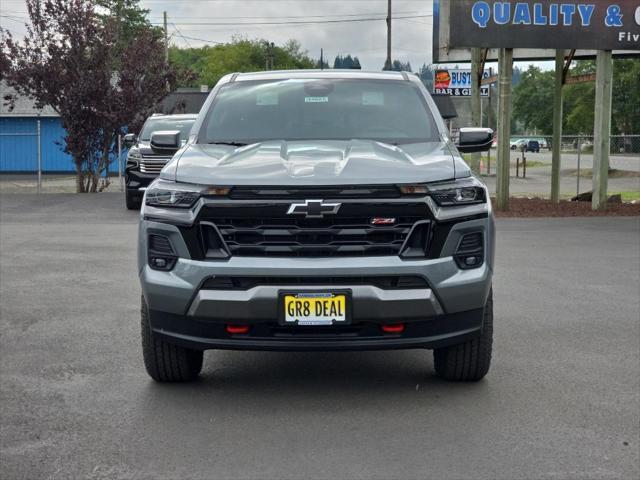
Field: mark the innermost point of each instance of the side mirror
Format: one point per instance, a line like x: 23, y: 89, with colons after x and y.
x: 475, y: 140
x: 129, y: 140
x: 165, y: 140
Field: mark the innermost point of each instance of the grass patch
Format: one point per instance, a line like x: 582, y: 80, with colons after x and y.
x: 532, y: 164
x: 613, y: 173
x: 629, y: 196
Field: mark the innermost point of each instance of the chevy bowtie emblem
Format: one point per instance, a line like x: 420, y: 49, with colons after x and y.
x: 313, y: 208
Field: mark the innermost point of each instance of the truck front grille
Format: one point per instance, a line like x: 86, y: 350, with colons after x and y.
x: 251, y: 229
x: 152, y: 164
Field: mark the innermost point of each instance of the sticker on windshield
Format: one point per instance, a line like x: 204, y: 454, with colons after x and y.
x: 372, y: 98
x: 267, y: 98
x: 316, y: 99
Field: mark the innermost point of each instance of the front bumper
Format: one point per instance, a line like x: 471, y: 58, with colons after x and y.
x: 202, y: 333
x: 136, y: 181
x: 448, y: 310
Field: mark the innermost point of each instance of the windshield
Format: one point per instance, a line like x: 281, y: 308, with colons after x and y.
x: 319, y: 109
x: 159, y: 124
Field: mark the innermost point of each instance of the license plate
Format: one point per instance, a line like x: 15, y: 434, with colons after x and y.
x: 315, y: 308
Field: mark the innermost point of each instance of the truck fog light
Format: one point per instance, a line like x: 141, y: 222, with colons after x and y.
x: 162, y: 263
x: 159, y: 262
x: 471, y: 261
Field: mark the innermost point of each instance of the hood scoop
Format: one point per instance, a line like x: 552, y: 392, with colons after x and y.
x: 305, y: 161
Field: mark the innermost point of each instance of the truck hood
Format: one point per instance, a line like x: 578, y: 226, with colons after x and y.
x: 330, y: 162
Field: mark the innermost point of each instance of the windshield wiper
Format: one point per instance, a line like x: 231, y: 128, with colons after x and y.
x: 232, y: 143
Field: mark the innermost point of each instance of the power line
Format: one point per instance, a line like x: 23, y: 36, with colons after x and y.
x: 202, y: 40
x: 303, y: 22
x: 15, y: 19
x: 181, y: 35
x: 298, y: 16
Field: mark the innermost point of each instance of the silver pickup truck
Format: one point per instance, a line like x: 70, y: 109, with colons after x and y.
x: 317, y: 210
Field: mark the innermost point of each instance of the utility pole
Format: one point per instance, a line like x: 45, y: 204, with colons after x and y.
x: 505, y: 73
x: 557, y: 127
x: 321, y: 59
x: 166, y: 47
x: 387, y: 63
x: 476, y: 107
x: 166, y: 39
x: 269, y: 57
x: 602, y: 129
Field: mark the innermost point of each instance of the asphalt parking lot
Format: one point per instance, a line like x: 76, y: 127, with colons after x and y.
x: 562, y: 399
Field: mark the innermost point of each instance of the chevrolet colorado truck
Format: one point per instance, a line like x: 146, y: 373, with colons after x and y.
x: 317, y: 210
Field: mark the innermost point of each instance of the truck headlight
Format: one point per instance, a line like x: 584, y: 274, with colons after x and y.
x: 164, y: 193
x: 134, y: 154
x: 466, y: 191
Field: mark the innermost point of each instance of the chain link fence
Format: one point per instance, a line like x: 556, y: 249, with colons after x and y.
x: 619, y: 144
x: 26, y: 154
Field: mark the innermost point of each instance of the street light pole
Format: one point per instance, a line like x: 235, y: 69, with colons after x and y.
x: 387, y: 63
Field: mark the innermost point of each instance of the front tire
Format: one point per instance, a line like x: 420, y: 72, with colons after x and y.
x: 166, y: 362
x: 468, y: 361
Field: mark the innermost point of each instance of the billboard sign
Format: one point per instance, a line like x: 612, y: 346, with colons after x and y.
x: 457, y: 83
x: 566, y: 24
x: 537, y: 29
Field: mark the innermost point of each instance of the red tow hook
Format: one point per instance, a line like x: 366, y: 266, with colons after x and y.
x: 394, y: 328
x: 237, y: 329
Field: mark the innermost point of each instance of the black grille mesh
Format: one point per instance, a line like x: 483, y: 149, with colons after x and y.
x: 160, y: 244
x: 471, y: 242
x: 284, y: 237
x: 267, y: 230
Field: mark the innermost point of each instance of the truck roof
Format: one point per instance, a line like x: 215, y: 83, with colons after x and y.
x: 330, y: 73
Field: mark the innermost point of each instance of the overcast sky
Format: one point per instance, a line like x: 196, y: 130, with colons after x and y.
x: 364, y: 38
x: 359, y: 36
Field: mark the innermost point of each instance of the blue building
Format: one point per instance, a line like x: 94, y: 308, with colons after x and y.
x: 19, y: 141
x: 18, y: 131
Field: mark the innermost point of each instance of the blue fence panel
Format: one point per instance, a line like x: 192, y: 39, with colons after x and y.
x: 18, y: 145
x: 53, y: 157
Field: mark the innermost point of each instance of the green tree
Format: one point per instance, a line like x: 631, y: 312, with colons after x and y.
x: 579, y: 101
x: 626, y: 96
x: 398, y: 66
x: 347, y: 62
x: 533, y: 100
x: 426, y: 75
x: 206, y: 65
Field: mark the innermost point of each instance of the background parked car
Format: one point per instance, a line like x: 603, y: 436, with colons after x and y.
x: 143, y: 161
x: 532, y: 146
x: 518, y: 143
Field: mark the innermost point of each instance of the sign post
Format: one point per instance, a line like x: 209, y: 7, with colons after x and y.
x: 476, y: 118
x: 557, y: 127
x: 602, y: 129
x: 39, y: 156
x: 505, y: 72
